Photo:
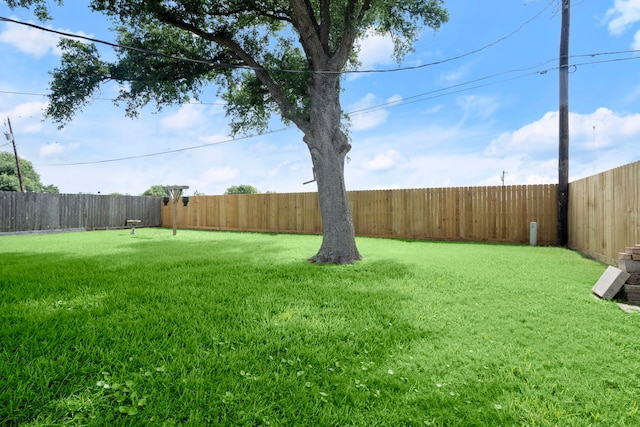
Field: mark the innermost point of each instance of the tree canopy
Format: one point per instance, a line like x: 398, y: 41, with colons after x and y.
x: 31, y: 179
x: 155, y: 190
x: 242, y: 189
x: 265, y: 56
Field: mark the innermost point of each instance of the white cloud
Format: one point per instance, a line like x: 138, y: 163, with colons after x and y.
x: 622, y: 15
x: 32, y: 41
x: 214, y: 138
x: 432, y: 110
x: 480, y: 106
x: 26, y: 117
x: 518, y: 170
x: 386, y: 187
x: 387, y: 160
x: 277, y: 170
x: 538, y: 135
x: 601, y: 129
x: 604, y: 128
x: 366, y: 120
x: 394, y: 99
x: 187, y: 117
x: 218, y: 175
x: 426, y: 170
x: 429, y: 170
x: 375, y: 49
x: 53, y: 149
x: 454, y: 76
x: 636, y: 41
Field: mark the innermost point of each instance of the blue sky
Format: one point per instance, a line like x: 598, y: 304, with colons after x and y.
x: 458, y: 123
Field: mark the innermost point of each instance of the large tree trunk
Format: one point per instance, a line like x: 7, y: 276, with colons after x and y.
x: 329, y: 146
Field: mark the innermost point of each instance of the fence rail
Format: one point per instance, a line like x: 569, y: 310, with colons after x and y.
x: 40, y: 211
x: 467, y: 213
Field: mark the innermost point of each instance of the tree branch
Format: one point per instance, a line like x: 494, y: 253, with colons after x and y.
x: 309, y: 32
x: 356, y: 11
x: 325, y: 24
x: 278, y: 15
x: 288, y: 111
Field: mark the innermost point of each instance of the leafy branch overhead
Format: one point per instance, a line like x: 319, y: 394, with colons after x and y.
x: 258, y: 53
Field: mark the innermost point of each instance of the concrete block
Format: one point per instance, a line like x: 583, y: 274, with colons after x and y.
x: 610, y: 283
x: 624, y: 255
x: 635, y: 257
x: 629, y: 265
x: 634, y: 279
x: 632, y: 289
x: 632, y: 293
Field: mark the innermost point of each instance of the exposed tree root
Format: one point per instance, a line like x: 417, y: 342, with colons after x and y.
x: 325, y: 258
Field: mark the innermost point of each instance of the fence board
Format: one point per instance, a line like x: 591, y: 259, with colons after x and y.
x: 604, y: 212
x: 467, y: 213
x: 41, y: 212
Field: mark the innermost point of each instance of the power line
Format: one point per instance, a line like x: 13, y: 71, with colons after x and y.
x: 166, y: 152
x: 447, y: 90
x: 8, y: 92
x: 583, y: 55
x: 453, y: 58
x: 399, y: 102
x: 405, y: 101
x: 356, y: 112
x: 242, y: 66
x: 119, y: 46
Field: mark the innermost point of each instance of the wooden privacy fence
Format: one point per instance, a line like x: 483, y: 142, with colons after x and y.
x: 39, y: 211
x: 499, y: 214
x: 604, y: 212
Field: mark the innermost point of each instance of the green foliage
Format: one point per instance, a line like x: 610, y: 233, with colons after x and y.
x: 77, y: 78
x: 242, y: 46
x: 159, y: 78
x: 219, y: 328
x: 155, y: 190
x: 51, y: 189
x: 241, y: 189
x: 9, y: 182
x: 400, y: 20
x: 249, y: 103
x: 41, y: 7
x: 31, y: 179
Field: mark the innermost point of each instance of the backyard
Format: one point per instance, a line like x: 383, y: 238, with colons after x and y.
x: 222, y: 328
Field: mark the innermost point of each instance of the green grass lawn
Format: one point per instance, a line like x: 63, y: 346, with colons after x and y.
x: 213, y: 328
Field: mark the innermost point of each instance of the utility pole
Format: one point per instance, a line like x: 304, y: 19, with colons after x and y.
x: 563, y: 143
x: 15, y: 153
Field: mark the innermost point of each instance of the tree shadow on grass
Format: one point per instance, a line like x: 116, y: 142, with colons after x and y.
x: 210, y: 314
